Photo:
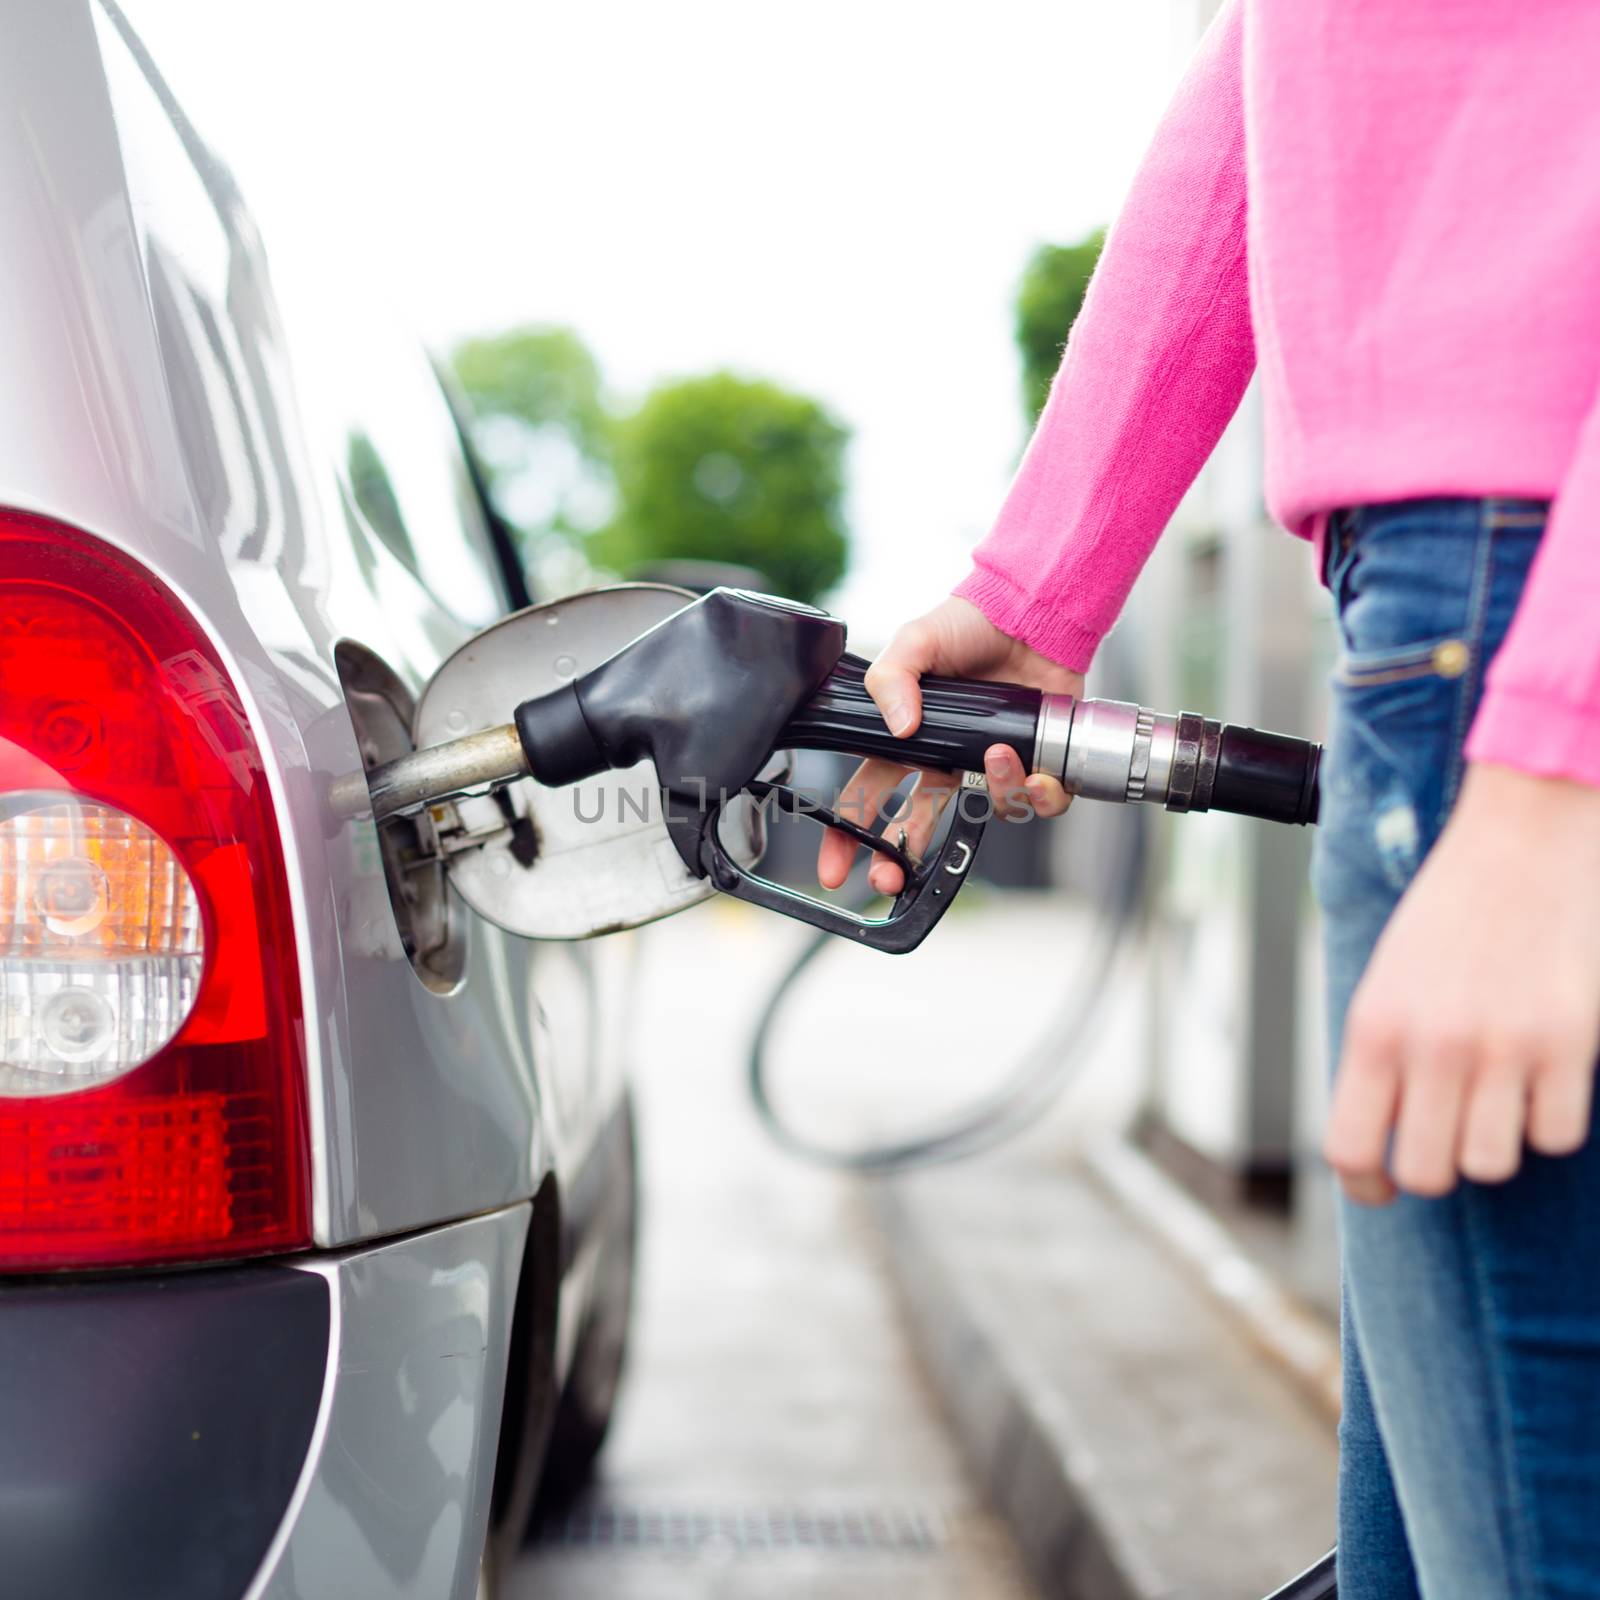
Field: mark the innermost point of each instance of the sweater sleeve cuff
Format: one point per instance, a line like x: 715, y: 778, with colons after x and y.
x: 1544, y: 737
x: 1039, y: 625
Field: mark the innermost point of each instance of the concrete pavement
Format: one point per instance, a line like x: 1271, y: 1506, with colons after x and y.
x: 795, y: 1426
x: 777, y: 1436
x: 1139, y: 1446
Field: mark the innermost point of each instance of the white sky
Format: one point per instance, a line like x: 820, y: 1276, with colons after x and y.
x: 839, y: 196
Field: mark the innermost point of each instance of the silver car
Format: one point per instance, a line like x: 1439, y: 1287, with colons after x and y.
x: 316, y: 1194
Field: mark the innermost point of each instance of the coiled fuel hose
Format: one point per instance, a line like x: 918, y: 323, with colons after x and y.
x: 1039, y: 1076
x: 1105, y: 750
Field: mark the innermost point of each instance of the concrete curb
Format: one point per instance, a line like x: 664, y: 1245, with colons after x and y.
x: 1043, y: 1493
x: 1276, y: 1323
x: 1092, y: 1363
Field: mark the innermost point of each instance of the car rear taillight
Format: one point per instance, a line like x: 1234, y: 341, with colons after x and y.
x: 152, y: 1076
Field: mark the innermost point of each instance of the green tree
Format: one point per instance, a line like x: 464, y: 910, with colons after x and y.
x: 724, y: 468
x: 1048, y: 302
x: 545, y: 376
x: 543, y: 434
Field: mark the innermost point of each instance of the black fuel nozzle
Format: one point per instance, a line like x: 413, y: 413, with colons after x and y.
x: 1100, y: 749
x: 708, y: 696
x: 702, y: 696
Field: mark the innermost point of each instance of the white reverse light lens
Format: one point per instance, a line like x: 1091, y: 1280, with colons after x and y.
x: 101, y: 943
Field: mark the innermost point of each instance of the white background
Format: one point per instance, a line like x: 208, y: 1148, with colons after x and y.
x: 838, y: 196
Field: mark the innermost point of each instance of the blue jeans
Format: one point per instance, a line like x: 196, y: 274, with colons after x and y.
x: 1470, y: 1445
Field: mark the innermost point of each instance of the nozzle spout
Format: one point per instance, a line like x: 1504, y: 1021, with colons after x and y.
x: 468, y: 765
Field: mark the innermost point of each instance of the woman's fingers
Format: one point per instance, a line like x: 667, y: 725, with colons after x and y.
x: 955, y: 637
x: 1492, y: 1125
x: 1477, y: 1022
x: 1003, y: 769
x: 1427, y: 1133
x: 864, y: 799
x: 1048, y: 795
x: 1015, y: 794
x: 919, y: 816
x: 1447, y: 1119
x: 1366, y: 1091
x: 860, y: 801
x: 1558, y: 1105
x: 892, y: 680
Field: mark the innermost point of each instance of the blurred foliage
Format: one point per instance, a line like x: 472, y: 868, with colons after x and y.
x: 1048, y: 302
x: 716, y: 468
x: 543, y: 376
x: 543, y: 434
x: 726, y: 468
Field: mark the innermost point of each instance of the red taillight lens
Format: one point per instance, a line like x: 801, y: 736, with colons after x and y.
x: 152, y: 1077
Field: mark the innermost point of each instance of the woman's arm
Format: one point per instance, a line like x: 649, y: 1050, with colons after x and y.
x: 1157, y: 362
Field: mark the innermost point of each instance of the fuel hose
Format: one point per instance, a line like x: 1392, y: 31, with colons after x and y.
x: 1038, y: 1077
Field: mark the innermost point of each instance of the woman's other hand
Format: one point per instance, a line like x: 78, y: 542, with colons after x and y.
x: 1476, y: 1026
x: 956, y: 640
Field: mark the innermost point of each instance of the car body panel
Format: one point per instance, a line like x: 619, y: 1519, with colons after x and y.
x: 287, y: 465
x: 173, y: 407
x: 395, y: 1495
x: 185, y: 1435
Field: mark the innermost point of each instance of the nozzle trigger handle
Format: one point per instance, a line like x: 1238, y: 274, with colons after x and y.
x: 927, y: 895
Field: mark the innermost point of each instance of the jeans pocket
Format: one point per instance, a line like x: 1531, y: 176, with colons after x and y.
x: 1386, y: 780
x: 1388, y: 771
x: 1432, y: 658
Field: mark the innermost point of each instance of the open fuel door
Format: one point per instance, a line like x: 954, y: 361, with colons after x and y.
x: 582, y: 859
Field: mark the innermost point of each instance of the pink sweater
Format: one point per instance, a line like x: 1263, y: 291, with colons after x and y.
x: 1393, y: 211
